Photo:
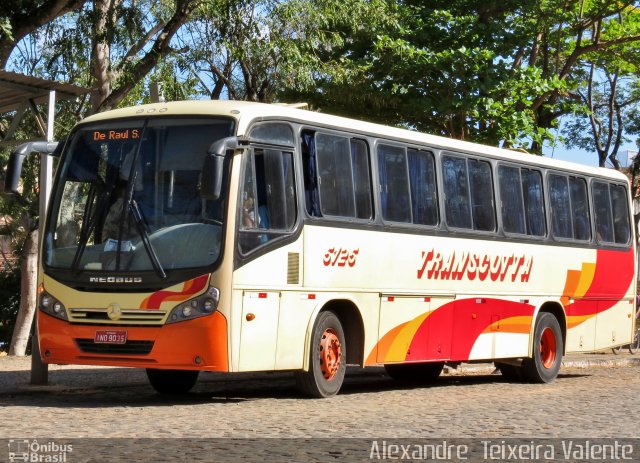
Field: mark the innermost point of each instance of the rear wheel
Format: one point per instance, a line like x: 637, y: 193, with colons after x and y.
x: 172, y: 381
x: 616, y: 350
x: 548, y: 347
x: 327, y: 358
x: 414, y: 372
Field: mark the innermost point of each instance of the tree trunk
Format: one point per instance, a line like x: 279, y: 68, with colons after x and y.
x: 28, y: 294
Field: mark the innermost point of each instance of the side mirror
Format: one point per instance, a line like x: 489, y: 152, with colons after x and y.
x: 18, y: 155
x: 213, y: 168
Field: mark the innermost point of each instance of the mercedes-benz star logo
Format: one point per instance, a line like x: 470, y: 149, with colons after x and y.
x: 114, y: 312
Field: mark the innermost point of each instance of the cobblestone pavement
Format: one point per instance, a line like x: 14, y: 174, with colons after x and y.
x: 597, y: 401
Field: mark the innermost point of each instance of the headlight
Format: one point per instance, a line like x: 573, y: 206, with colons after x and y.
x: 200, y: 306
x: 50, y: 305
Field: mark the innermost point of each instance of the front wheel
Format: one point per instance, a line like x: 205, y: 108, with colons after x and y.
x: 548, y: 347
x: 327, y: 358
x: 172, y: 381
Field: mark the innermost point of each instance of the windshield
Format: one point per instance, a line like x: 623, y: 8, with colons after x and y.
x: 128, y: 198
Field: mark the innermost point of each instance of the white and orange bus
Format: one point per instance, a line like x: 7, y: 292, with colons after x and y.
x: 231, y: 236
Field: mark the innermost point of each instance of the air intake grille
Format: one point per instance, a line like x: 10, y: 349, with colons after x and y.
x: 293, y: 268
x: 128, y: 348
x: 128, y: 316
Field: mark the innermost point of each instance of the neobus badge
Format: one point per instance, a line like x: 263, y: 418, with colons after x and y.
x: 115, y: 279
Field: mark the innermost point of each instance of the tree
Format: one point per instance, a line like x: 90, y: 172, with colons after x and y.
x: 499, y: 72
x: 128, y: 39
x: 19, y: 18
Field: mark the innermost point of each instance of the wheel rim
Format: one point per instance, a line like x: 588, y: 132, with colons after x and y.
x: 548, y: 348
x: 330, y: 354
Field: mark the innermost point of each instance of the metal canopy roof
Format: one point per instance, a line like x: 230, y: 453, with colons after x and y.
x: 16, y: 89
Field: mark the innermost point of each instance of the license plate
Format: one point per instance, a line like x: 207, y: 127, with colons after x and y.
x: 110, y: 337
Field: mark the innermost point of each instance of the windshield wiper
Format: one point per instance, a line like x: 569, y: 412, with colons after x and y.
x: 142, y: 229
x: 88, y: 224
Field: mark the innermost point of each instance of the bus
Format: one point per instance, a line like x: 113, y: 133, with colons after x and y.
x: 233, y: 236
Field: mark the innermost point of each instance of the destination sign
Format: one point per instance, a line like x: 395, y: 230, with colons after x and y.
x: 120, y: 134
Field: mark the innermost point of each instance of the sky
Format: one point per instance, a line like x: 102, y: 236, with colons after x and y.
x: 585, y: 157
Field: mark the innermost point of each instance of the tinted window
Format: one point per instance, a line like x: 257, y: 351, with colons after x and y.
x: 611, y: 213
x: 361, y: 178
x: 512, y: 206
x: 268, y: 206
x: 395, y: 198
x: 424, y: 198
x: 456, y: 192
x: 533, y: 202
x: 468, y: 189
x: 337, y: 178
x: 273, y: 133
x: 580, y: 208
x: 481, y: 182
x: 602, y: 210
x: 335, y: 175
x: 621, y: 228
x: 562, y: 224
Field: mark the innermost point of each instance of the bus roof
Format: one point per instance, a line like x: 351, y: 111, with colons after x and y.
x: 246, y: 113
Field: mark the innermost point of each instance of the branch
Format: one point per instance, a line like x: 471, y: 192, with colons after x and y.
x: 25, y: 22
x: 160, y: 48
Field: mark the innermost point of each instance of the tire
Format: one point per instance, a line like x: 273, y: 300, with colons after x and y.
x: 616, y: 350
x: 510, y: 372
x: 414, y: 372
x: 634, y: 347
x: 327, y: 358
x: 172, y: 382
x: 548, y: 347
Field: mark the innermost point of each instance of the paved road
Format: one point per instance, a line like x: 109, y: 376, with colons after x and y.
x: 92, y: 402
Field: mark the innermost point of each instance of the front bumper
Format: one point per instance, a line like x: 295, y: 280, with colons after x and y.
x: 198, y: 344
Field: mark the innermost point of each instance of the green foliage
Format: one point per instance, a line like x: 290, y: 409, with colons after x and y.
x: 9, y: 303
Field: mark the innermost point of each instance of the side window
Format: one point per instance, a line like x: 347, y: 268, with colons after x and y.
x: 335, y: 175
x: 569, y: 207
x: 268, y: 204
x: 337, y: 178
x: 468, y: 189
x: 562, y: 225
x: 395, y: 197
x: 422, y: 181
x: 619, y: 206
x: 512, y: 205
x: 456, y: 192
x: 273, y: 132
x: 533, y: 202
x: 602, y: 210
x: 361, y: 179
x: 481, y: 183
x: 611, y: 213
x: 521, y: 199
x: 580, y: 209
x: 408, y: 191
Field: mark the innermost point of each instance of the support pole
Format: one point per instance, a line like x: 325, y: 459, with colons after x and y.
x: 39, y: 369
